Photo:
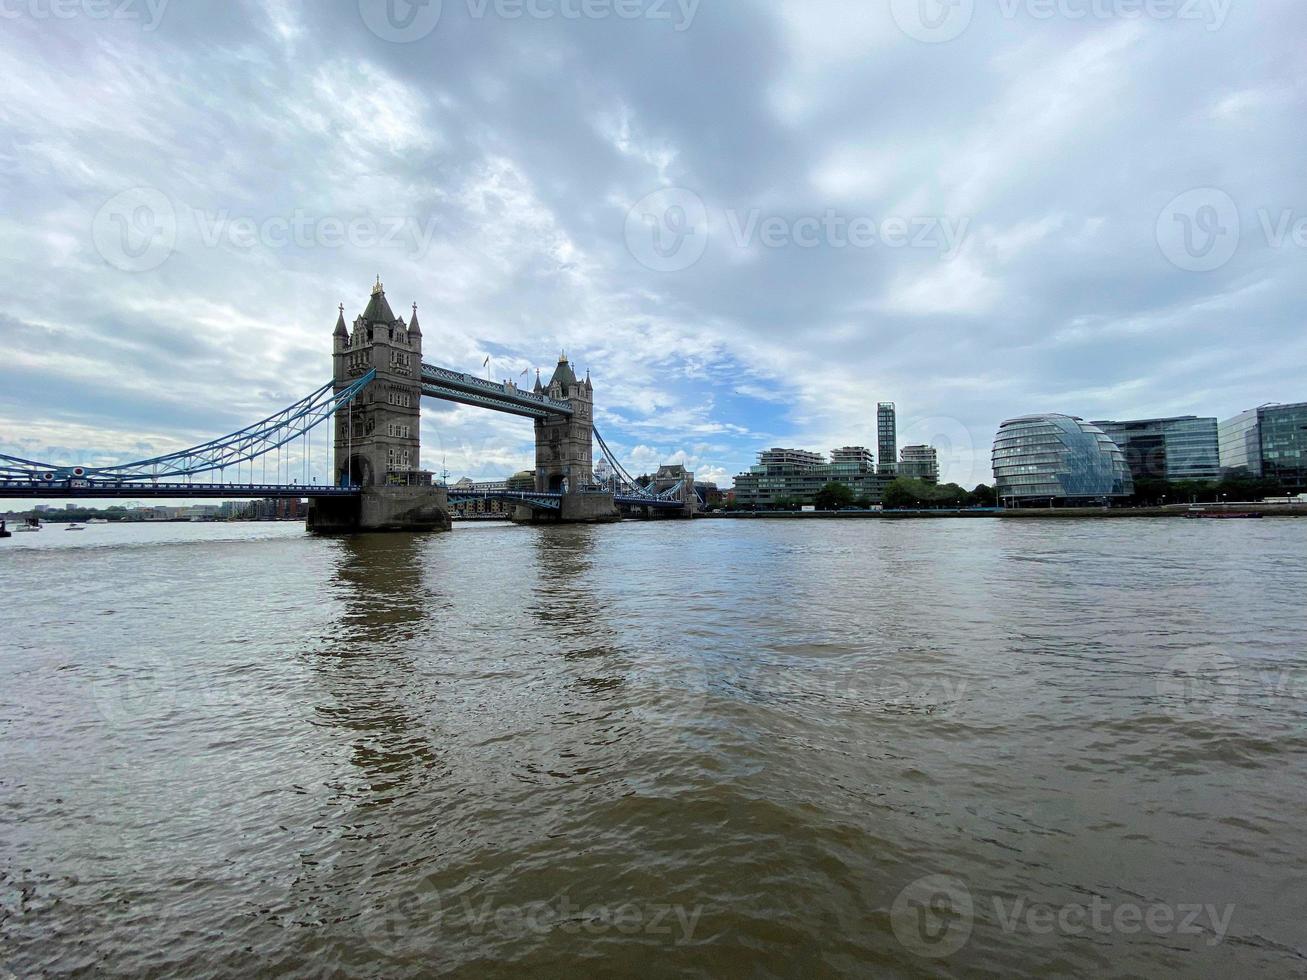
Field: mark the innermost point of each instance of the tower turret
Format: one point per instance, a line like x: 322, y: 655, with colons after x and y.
x: 378, y: 436
x: 564, y: 452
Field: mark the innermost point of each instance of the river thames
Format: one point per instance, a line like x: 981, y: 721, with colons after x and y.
x: 718, y: 748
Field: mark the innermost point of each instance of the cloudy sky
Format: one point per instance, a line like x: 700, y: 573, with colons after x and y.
x: 750, y: 221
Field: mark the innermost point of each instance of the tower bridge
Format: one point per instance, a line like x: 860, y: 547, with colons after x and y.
x: 379, y: 378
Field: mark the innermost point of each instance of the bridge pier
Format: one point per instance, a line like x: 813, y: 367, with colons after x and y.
x: 574, y: 508
x: 415, y: 508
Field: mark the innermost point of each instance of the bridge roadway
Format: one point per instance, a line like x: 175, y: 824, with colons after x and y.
x: 105, y: 489
x: 99, y: 489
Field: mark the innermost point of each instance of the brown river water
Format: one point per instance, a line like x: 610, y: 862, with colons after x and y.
x: 709, y: 749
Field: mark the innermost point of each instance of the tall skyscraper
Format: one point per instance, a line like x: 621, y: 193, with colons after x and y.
x: 887, y: 437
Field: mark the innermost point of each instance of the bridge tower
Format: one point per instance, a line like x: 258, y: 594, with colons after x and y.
x: 378, y: 436
x: 378, y: 439
x: 564, y: 450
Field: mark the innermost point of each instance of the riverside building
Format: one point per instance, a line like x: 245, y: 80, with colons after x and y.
x: 1181, y: 448
x: 887, y: 437
x: 799, y: 475
x: 1058, y: 459
x: 1268, y: 442
x: 919, y: 463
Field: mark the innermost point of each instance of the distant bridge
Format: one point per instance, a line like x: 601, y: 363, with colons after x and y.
x: 373, y: 401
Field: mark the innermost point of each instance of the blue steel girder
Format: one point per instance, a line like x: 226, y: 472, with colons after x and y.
x: 455, y: 386
x: 537, y: 501
x: 249, y: 443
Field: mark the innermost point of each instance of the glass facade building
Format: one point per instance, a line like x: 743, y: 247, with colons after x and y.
x: 1181, y: 448
x: 1268, y: 442
x: 887, y: 436
x: 919, y: 463
x: 1058, y: 458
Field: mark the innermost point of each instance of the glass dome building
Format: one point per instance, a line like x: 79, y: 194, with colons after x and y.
x: 1058, y: 458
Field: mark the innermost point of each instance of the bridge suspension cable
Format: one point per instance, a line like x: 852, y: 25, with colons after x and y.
x: 246, y: 445
x: 635, y: 489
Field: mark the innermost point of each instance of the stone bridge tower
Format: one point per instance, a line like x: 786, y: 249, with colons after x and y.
x: 564, y: 450
x: 378, y: 437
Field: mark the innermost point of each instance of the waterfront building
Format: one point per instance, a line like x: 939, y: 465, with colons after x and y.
x: 799, y: 475
x: 1058, y: 459
x: 1268, y: 442
x: 919, y: 463
x: 858, y: 455
x: 1180, y: 448
x: 887, y: 437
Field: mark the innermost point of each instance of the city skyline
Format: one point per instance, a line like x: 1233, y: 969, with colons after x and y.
x: 1043, y: 283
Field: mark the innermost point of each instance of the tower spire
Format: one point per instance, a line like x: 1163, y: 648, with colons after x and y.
x: 340, y: 330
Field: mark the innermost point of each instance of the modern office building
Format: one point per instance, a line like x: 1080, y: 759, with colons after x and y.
x: 796, y: 474
x: 919, y: 463
x: 1058, y: 459
x: 887, y: 436
x: 1181, y: 448
x: 1268, y: 442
